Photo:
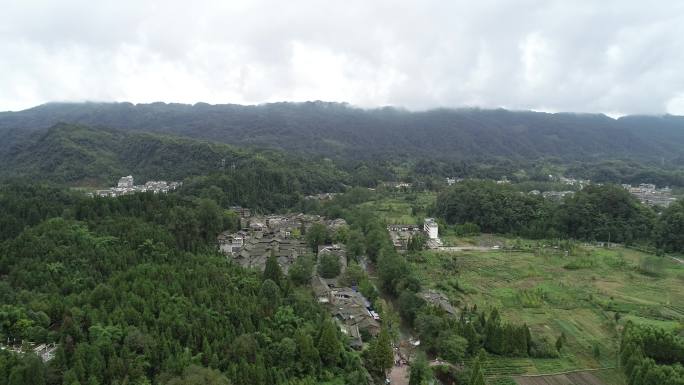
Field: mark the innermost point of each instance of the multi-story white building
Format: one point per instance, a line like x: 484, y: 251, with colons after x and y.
x: 431, y: 229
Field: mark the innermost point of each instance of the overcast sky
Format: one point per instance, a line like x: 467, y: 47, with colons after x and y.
x: 616, y: 57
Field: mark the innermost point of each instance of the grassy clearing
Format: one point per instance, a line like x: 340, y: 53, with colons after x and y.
x: 577, y: 294
x: 401, y: 208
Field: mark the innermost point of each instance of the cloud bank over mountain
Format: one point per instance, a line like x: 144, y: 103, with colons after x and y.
x: 617, y: 57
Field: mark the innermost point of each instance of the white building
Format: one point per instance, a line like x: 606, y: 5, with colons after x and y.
x: 431, y: 229
x: 126, y: 182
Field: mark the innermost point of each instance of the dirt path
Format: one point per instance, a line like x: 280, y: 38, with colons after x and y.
x: 399, y: 375
x: 465, y: 248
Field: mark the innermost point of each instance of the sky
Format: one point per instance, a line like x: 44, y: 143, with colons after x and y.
x: 611, y: 56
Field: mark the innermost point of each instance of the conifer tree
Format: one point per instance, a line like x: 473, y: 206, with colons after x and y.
x: 272, y: 269
x: 381, y: 354
x: 328, y: 344
x: 477, y: 374
x: 419, y: 372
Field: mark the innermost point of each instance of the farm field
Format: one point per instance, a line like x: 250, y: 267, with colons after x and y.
x: 400, y: 208
x: 574, y: 378
x: 553, y: 293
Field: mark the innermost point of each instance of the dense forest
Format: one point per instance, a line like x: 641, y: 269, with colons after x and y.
x: 340, y: 131
x: 133, y: 292
x: 81, y: 155
x: 74, y: 154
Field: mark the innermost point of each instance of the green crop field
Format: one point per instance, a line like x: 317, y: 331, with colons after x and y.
x: 400, y: 208
x: 577, y: 294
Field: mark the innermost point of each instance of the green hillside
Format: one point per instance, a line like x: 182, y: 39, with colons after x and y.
x: 80, y: 155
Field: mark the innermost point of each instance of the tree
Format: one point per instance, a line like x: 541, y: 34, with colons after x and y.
x: 196, y: 375
x: 416, y: 243
x: 375, y: 241
x: 452, y: 347
x: 329, y: 265
x: 300, y: 271
x: 29, y: 371
x: 184, y: 226
x: 328, y: 344
x: 476, y: 372
x: 494, y: 333
x: 316, y: 236
x: 272, y: 270
x: 355, y: 244
x: 381, y: 356
x: 353, y: 275
x: 409, y: 305
x: 270, y: 296
x: 309, y: 362
x: 560, y: 341
x: 210, y: 219
x: 670, y: 230
x: 420, y: 372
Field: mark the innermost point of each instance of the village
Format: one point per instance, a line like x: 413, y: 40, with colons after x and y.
x: 126, y: 186
x: 282, y: 237
x: 649, y: 194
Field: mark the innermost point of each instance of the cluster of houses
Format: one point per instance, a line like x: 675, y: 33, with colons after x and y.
x: 553, y: 195
x: 353, y: 313
x: 351, y: 310
x: 263, y: 236
x: 45, y: 352
x: 580, y: 183
x: 450, y: 181
x: 281, y: 236
x: 397, y: 185
x: 126, y: 186
x: 321, y: 197
x: 650, y: 195
x: 400, y: 234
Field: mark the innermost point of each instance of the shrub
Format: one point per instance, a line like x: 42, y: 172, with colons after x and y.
x: 580, y: 263
x: 652, y: 265
x: 542, y: 348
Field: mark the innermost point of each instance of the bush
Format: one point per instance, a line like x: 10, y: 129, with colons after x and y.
x: 652, y: 265
x: 580, y: 263
x: 542, y: 348
x: 452, y: 347
x: 467, y: 228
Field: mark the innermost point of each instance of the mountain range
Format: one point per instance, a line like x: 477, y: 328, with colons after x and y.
x: 340, y: 131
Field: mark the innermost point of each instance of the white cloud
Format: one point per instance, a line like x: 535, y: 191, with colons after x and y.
x: 608, y: 56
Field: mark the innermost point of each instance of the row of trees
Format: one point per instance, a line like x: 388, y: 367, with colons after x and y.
x: 602, y: 213
x: 651, y: 356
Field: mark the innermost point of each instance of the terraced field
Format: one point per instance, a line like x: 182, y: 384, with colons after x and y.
x: 600, y: 377
x: 554, y: 293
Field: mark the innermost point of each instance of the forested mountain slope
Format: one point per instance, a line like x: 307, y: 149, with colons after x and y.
x: 75, y: 154
x: 338, y: 130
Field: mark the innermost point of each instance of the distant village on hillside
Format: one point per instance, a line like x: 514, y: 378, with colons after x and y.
x: 126, y: 185
x: 646, y: 193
